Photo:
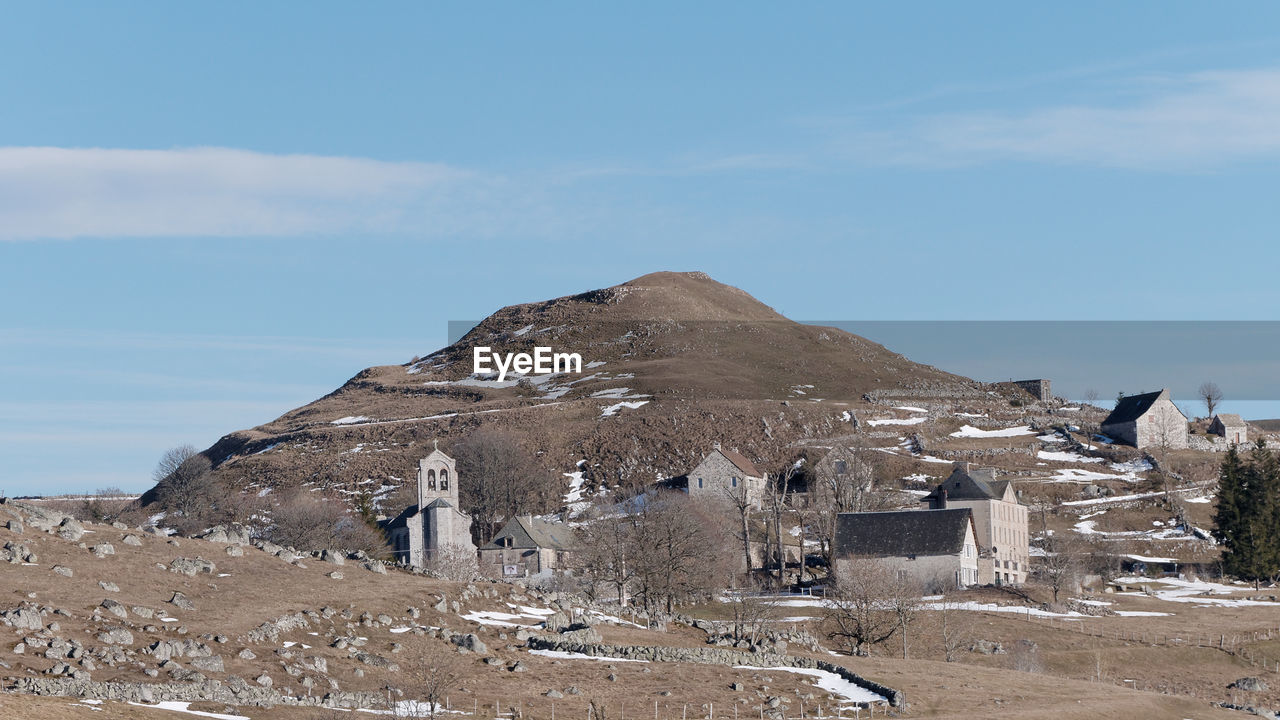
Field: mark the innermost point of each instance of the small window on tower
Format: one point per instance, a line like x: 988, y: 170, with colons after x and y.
x: 431, y: 479
x: 444, y: 479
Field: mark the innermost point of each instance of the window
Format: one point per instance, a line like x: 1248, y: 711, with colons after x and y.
x: 733, y: 482
x: 699, y: 482
x: 444, y: 479
x: 842, y: 467
x: 431, y: 479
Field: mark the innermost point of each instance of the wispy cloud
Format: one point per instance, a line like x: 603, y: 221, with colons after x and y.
x: 53, y: 192
x: 1197, y: 121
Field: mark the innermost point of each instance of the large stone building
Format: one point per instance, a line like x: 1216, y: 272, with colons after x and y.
x: 527, y: 547
x: 999, y: 520
x: 1230, y: 427
x: 1147, y: 420
x: 435, y: 523
x: 937, y: 549
x: 726, y: 472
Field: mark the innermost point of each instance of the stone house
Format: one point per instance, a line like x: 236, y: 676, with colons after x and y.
x: 999, y: 520
x: 435, y: 522
x: 1230, y: 427
x: 938, y: 549
x: 527, y: 547
x: 726, y: 472
x: 1147, y: 420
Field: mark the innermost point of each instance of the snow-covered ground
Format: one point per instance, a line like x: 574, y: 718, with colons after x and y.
x: 184, y: 707
x: 628, y: 404
x: 969, y: 431
x: 897, y: 421
x: 828, y: 681
x: 1201, y: 593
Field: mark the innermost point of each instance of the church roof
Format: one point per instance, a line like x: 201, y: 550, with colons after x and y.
x: 402, y: 519
x: 1229, y: 419
x: 529, y: 533
x: 901, y: 533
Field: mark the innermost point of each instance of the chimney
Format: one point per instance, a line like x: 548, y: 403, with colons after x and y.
x: 942, y: 498
x: 962, y: 467
x: 717, y: 446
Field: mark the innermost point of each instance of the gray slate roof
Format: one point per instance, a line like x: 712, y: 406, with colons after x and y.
x: 977, y: 484
x: 1132, y: 407
x: 529, y: 533
x: 1229, y: 419
x: 901, y: 533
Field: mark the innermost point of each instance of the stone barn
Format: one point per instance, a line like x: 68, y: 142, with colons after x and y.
x: 1146, y: 421
x: 726, y: 472
x: 435, y: 522
x: 1230, y: 427
x: 936, y: 548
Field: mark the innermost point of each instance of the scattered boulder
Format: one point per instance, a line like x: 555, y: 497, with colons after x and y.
x: 102, y: 550
x: 62, y: 570
x: 554, y: 694
x: 108, y: 586
x: 115, y: 608
x: 133, y: 540
x: 212, y: 663
x: 70, y: 529
x: 1249, y: 684
x: 190, y: 567
x: 116, y: 636
x: 987, y: 647
x: 235, y: 551
x: 182, y: 601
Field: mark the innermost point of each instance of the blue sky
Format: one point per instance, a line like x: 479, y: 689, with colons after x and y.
x: 210, y: 213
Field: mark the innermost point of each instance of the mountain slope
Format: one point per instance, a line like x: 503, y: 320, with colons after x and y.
x: 673, y: 362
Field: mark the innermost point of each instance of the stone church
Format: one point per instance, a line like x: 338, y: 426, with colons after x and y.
x: 435, y: 522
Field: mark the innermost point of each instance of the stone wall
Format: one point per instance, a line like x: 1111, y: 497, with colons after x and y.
x: 236, y: 691
x: 713, y: 656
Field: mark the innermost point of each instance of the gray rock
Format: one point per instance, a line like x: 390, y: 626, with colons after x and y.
x: 102, y: 550
x: 1249, y: 684
x: 143, y: 612
x: 182, y: 601
x: 333, y: 557
x: 70, y: 529
x: 63, y: 571
x: 108, y: 586
x: 212, y: 663
x: 235, y: 551
x: 115, y: 608
x: 264, y: 680
x: 190, y: 567
x: 335, y: 575
x: 133, y: 540
x: 554, y: 694
x: 116, y: 636
x: 246, y: 654
x: 16, y: 526
x: 518, y: 667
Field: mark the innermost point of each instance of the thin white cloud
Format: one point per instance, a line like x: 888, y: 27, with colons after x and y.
x: 1199, y: 121
x: 52, y: 192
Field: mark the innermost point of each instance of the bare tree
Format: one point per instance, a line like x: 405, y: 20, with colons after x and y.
x: 845, y: 484
x: 503, y: 480
x: 307, y: 522
x: 454, y: 562
x: 184, y: 483
x: 677, y: 549
x: 776, y: 499
x: 106, y: 505
x: 752, y: 613
x: 742, y: 502
x: 1059, y: 568
x: 956, y: 628
x: 1211, y: 395
x: 608, y: 545
x: 432, y: 673
x: 1087, y: 423
x: 871, y: 602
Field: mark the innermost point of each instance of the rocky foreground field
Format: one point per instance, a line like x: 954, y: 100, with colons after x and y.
x: 112, y: 621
